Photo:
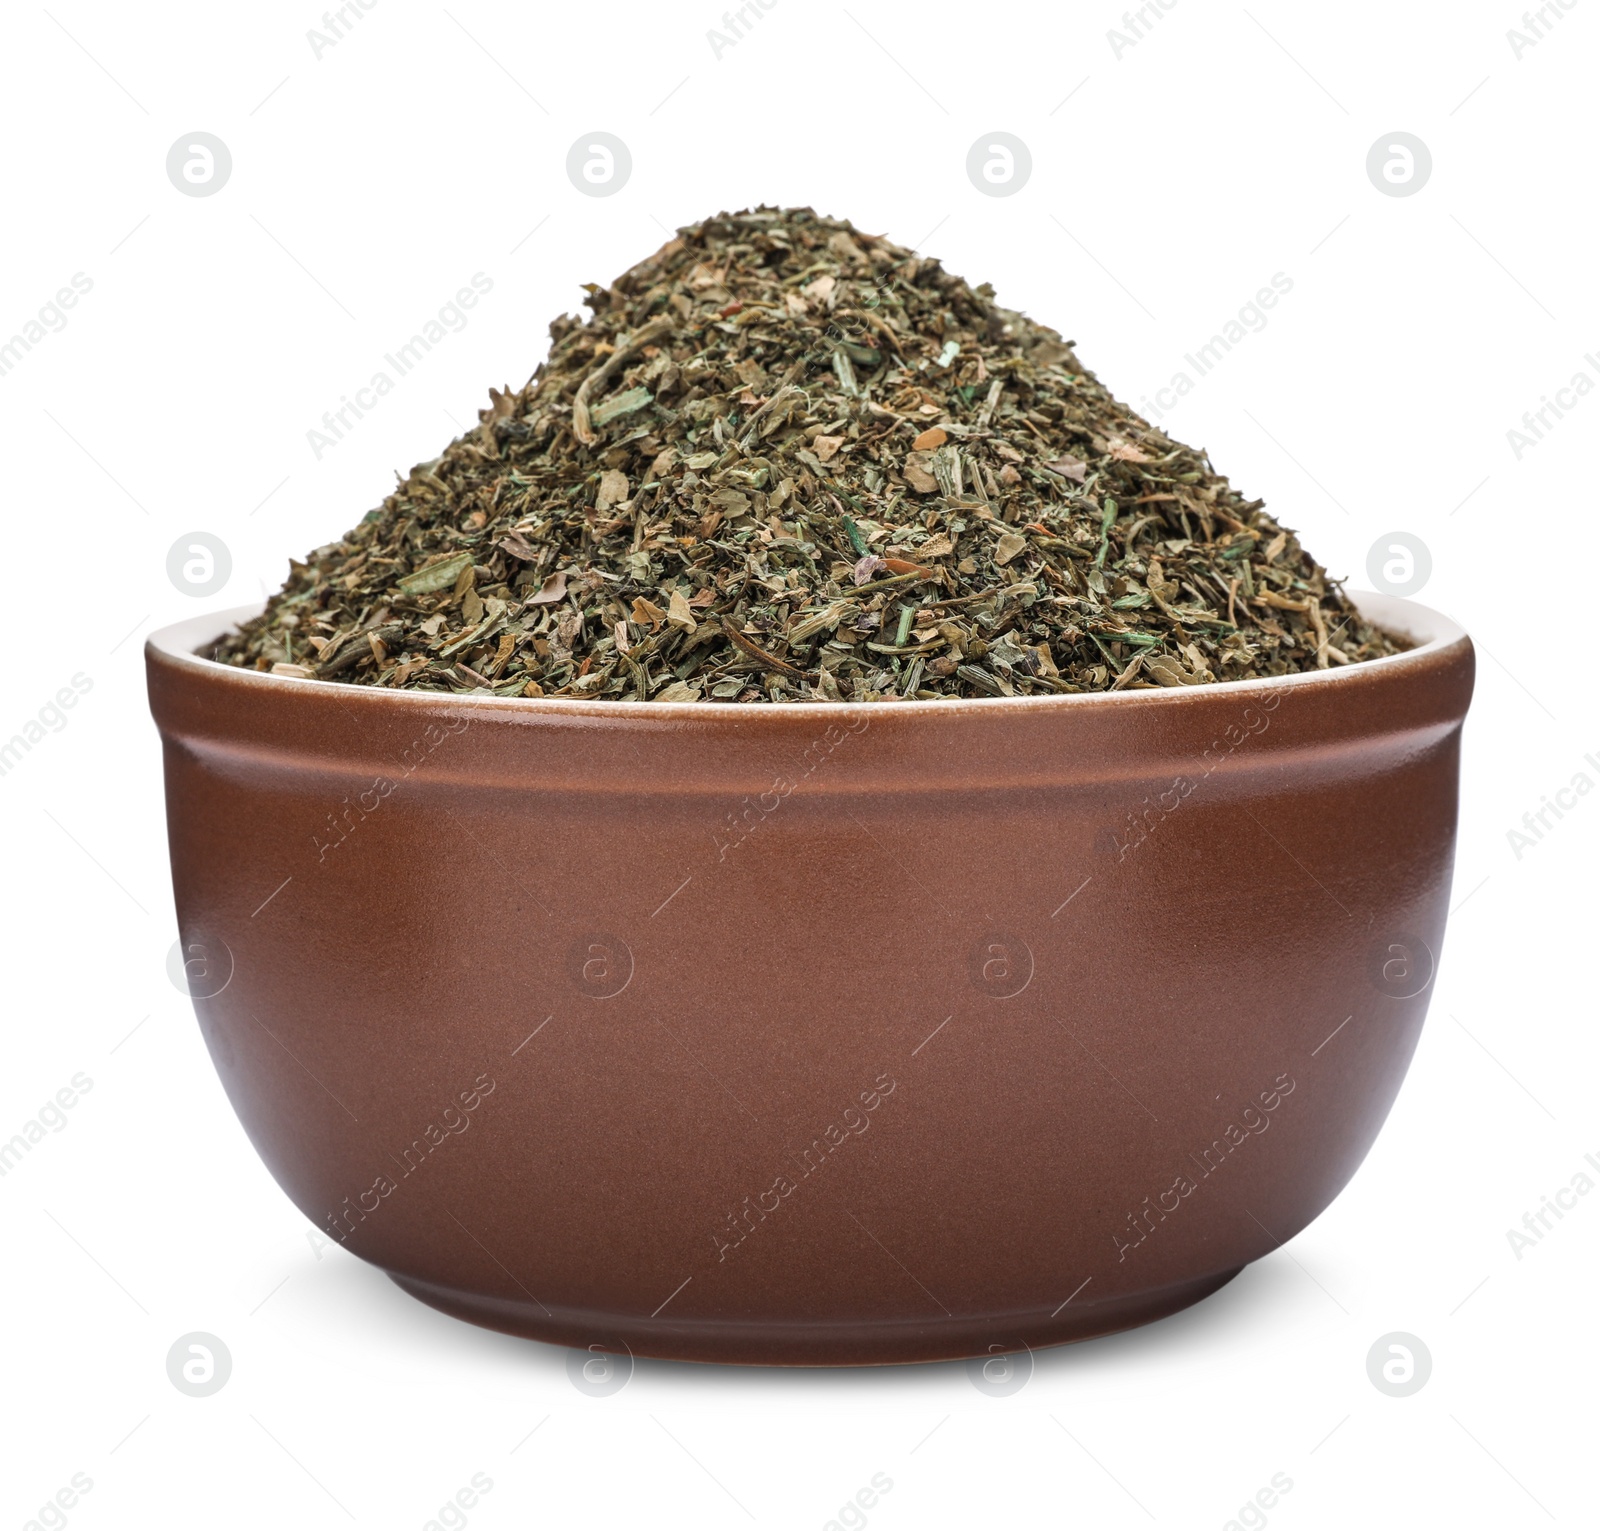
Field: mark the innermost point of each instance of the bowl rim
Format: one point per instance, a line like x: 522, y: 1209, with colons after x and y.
x: 1432, y: 632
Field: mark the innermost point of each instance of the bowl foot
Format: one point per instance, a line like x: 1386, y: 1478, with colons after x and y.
x: 811, y: 1343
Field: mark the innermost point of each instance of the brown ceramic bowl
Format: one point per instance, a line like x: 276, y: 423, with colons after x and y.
x: 821, y: 1034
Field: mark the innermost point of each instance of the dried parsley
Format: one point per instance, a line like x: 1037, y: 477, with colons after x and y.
x: 785, y: 460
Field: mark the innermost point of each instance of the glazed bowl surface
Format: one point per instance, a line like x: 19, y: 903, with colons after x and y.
x: 813, y: 1033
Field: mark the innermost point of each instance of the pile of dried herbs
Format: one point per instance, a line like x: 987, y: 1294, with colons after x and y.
x: 785, y: 460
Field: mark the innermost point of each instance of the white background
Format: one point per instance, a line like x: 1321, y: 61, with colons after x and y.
x: 1169, y: 183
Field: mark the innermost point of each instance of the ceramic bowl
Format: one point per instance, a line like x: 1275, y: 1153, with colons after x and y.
x: 814, y: 1033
